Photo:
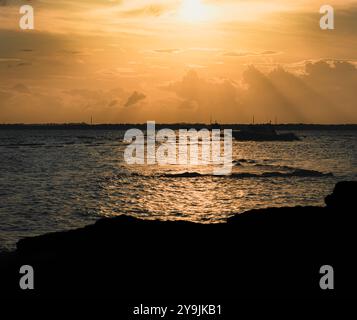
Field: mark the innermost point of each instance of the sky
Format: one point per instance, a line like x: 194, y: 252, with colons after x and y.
x: 131, y: 61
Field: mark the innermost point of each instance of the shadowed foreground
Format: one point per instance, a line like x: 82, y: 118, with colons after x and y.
x: 266, y: 253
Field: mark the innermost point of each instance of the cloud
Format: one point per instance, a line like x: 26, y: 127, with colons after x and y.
x: 96, y: 100
x: 154, y: 10
x: 250, y: 54
x: 71, y: 52
x: 196, y: 66
x: 322, y: 91
x: 207, y: 97
x: 4, y: 95
x: 10, y: 60
x: 86, y: 93
x: 134, y: 98
x: 24, y: 64
x: 112, y: 103
x: 188, y: 105
x: 167, y: 50
x: 21, y: 88
x: 325, y: 91
x: 268, y: 53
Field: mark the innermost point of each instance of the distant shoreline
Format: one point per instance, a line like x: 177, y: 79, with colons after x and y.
x: 125, y: 126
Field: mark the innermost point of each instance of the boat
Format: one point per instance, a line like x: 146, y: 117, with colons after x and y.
x: 262, y: 133
x: 215, y: 126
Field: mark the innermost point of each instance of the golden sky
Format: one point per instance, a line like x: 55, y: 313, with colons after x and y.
x: 178, y: 60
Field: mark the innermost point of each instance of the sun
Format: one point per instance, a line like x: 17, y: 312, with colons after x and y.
x: 193, y: 11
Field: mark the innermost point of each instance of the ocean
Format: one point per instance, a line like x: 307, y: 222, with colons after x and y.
x: 54, y: 180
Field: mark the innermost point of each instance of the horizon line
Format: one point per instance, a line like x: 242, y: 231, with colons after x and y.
x: 173, y: 123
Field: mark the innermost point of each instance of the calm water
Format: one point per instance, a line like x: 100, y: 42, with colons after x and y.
x: 54, y: 180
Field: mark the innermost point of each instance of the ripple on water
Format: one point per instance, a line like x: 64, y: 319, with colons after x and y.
x: 50, y: 181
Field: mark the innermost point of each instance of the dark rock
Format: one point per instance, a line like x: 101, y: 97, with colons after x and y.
x: 275, y: 252
x: 343, y: 196
x: 183, y: 175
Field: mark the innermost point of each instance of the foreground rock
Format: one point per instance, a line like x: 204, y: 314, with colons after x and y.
x: 274, y: 252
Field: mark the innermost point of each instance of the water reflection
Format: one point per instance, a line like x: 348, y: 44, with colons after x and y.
x: 55, y: 180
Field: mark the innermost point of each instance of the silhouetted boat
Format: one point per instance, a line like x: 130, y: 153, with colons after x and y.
x: 215, y: 126
x: 263, y: 133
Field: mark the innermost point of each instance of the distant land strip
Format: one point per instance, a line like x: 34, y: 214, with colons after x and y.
x: 125, y: 126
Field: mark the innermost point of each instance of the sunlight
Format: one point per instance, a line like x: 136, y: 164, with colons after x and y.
x: 193, y: 11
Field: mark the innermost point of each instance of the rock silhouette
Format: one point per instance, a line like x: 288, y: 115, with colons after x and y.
x: 343, y: 196
x: 275, y: 252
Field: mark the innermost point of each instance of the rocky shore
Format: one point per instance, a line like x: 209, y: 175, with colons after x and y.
x: 275, y: 252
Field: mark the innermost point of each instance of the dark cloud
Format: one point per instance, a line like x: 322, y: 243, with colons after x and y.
x: 250, y: 54
x: 74, y: 52
x: 134, y: 98
x: 24, y: 64
x: 97, y: 101
x: 17, y: 3
x: 21, y: 88
x: 112, y: 103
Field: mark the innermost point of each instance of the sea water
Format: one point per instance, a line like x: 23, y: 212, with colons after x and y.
x: 53, y: 180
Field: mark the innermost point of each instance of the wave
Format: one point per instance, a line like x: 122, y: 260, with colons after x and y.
x: 16, y: 145
x: 86, y: 137
x: 243, y: 161
x: 267, y: 168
